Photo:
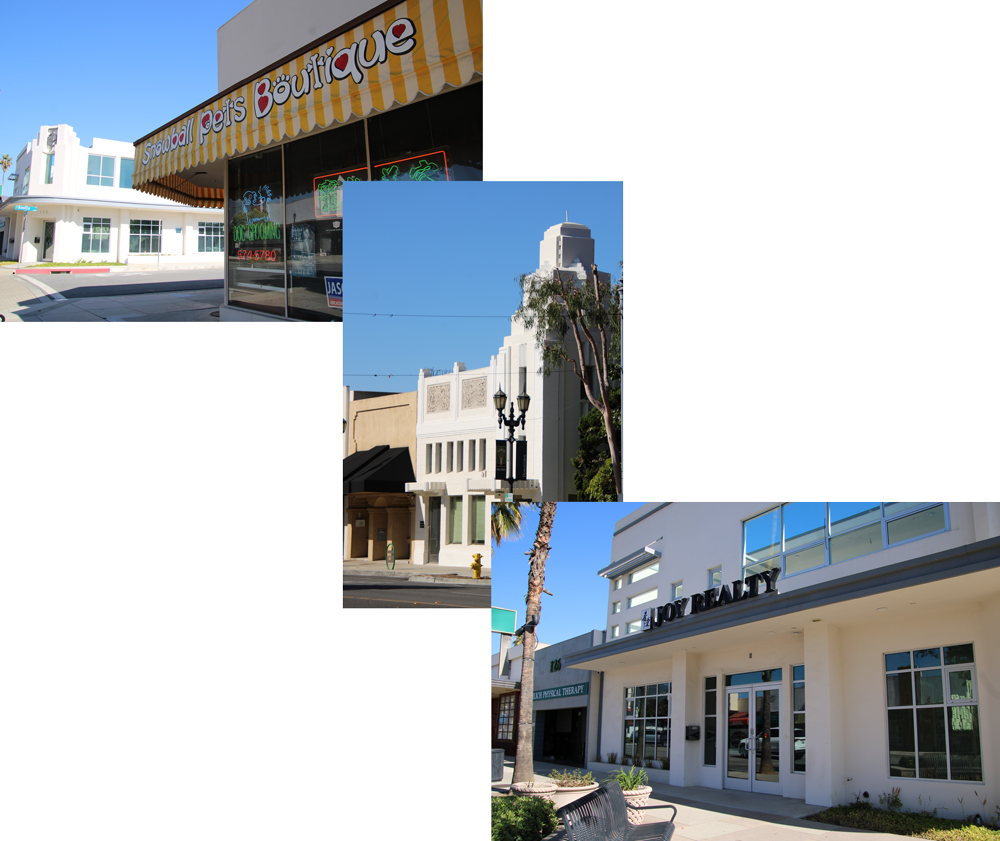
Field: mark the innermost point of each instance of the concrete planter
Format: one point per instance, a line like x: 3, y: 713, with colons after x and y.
x: 564, y: 795
x: 635, y: 799
x: 535, y: 789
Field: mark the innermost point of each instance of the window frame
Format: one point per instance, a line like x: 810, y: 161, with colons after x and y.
x: 631, y: 692
x: 211, y: 234
x: 101, y: 176
x: 946, y: 704
x: 711, y: 578
x: 158, y: 235
x: 779, y: 560
x: 644, y: 572
x: 101, y: 221
x: 645, y: 596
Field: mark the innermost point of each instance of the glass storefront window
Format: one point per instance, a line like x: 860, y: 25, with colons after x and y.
x: 436, y: 139
x: 256, y: 246
x: 316, y: 169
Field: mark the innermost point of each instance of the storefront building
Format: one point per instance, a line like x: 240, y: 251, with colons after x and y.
x: 389, y: 93
x: 85, y: 209
x: 379, y: 447
x: 461, y: 453
x: 809, y: 650
x: 565, y: 702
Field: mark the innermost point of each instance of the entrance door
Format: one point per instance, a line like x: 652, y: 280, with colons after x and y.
x: 752, y: 736
x: 434, y: 530
x: 48, y: 235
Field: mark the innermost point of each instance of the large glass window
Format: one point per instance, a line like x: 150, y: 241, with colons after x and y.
x: 255, y: 241
x: 711, y: 719
x: 454, y: 519
x: 800, y: 536
x: 933, y: 714
x: 477, y: 505
x: 96, y: 235
x: 100, y: 171
x: 436, y: 139
x: 642, y: 598
x: 316, y: 169
x: 799, y: 719
x: 647, y: 723
x: 144, y: 236
x: 505, y: 723
x: 48, y: 168
x: 645, y: 572
x: 125, y: 170
x: 211, y: 236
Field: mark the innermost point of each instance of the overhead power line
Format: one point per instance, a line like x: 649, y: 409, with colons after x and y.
x: 422, y: 315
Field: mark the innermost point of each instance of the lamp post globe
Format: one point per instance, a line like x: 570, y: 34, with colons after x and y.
x: 500, y: 400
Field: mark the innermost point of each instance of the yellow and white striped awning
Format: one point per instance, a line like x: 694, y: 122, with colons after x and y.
x: 410, y: 49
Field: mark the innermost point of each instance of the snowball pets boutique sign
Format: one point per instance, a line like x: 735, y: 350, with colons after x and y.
x: 409, y: 51
x: 657, y: 617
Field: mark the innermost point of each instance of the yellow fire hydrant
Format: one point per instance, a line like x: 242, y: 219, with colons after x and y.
x: 476, y: 566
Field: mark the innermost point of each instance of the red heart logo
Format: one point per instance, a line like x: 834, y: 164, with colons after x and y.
x: 261, y: 88
x: 341, y: 61
x: 206, y: 120
x: 398, y: 30
x: 262, y: 103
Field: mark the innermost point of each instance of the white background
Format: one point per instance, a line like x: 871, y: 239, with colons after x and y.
x: 811, y: 217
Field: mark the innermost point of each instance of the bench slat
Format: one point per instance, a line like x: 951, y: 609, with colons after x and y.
x: 602, y: 815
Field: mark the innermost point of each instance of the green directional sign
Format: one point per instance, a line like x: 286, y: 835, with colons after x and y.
x: 504, y: 620
x: 24, y: 207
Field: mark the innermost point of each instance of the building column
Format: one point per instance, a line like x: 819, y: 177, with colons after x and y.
x: 826, y: 783
x: 684, y: 674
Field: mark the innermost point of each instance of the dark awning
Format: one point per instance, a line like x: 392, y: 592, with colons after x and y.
x: 378, y: 470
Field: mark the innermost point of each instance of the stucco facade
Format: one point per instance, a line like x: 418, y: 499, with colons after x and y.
x: 828, y: 649
x: 53, y: 172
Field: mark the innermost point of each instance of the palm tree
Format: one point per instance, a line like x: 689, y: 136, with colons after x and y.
x: 5, y: 164
x: 524, y: 771
x: 505, y: 521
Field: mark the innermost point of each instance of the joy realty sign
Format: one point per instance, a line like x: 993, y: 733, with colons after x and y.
x: 320, y: 69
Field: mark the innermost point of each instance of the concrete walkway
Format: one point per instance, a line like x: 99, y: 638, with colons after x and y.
x: 408, y: 571
x: 708, y: 814
x: 27, y: 297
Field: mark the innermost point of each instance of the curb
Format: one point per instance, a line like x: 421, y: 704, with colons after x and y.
x: 418, y: 577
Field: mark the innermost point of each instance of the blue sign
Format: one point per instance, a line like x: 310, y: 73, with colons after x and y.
x: 335, y: 292
x: 24, y: 207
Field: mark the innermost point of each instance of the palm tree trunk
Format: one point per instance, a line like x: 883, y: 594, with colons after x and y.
x: 524, y: 771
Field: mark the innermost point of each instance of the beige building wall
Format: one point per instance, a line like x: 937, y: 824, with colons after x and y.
x: 388, y: 420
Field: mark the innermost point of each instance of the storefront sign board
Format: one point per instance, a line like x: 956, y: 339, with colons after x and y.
x: 561, y: 692
x: 335, y: 292
x: 656, y: 617
x: 409, y: 50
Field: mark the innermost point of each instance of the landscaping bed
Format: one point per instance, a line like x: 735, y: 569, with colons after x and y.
x: 912, y: 824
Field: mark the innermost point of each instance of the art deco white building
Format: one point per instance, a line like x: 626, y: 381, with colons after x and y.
x: 87, y: 209
x: 810, y: 650
x: 457, y: 427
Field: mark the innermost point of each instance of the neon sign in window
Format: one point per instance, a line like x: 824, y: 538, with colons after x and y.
x: 432, y: 166
x: 328, y: 190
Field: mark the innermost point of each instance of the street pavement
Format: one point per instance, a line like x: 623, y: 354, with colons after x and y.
x: 370, y: 591
x: 708, y: 814
x: 174, y: 293
x: 409, y: 571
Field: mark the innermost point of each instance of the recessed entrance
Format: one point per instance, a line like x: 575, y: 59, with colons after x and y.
x: 753, y: 730
x: 434, y: 530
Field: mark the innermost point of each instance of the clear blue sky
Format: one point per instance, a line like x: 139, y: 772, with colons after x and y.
x: 451, y: 249
x: 581, y: 545
x: 113, y: 69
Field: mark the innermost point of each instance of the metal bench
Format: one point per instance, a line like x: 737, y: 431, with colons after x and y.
x: 602, y: 816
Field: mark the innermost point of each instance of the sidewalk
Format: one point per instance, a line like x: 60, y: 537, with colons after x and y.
x: 708, y: 814
x: 418, y: 572
x: 27, y: 297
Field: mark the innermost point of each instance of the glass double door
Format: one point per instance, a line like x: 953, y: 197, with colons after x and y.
x: 753, y: 730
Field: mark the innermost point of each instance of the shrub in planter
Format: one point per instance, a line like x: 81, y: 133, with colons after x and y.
x: 635, y: 786
x: 522, y: 818
x: 572, y: 785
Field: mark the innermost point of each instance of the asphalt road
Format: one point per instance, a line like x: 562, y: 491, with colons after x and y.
x: 373, y: 591
x: 103, y: 284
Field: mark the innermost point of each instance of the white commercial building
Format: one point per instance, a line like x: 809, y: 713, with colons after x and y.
x: 458, y: 434
x: 86, y: 209
x: 809, y: 650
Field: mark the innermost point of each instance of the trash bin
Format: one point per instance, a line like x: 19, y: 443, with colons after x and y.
x: 497, y: 764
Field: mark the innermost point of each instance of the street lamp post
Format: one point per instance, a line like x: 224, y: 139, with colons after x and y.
x: 500, y: 401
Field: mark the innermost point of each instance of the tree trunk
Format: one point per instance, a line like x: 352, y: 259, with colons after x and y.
x: 524, y: 770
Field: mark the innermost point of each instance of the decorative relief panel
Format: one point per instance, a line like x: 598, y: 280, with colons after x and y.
x: 474, y: 393
x: 438, y: 398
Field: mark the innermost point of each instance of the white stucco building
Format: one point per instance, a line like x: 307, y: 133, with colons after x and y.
x: 457, y: 427
x: 87, y: 209
x: 809, y: 650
